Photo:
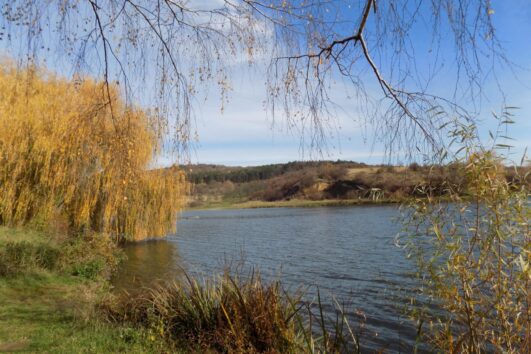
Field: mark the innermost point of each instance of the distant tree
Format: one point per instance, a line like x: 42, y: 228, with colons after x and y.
x: 414, y: 166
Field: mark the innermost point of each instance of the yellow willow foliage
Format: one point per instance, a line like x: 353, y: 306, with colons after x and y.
x: 65, y: 153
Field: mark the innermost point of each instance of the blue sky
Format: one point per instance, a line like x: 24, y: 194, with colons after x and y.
x: 244, y: 134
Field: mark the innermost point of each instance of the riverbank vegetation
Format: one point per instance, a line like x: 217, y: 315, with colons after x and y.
x: 473, y: 255
x: 56, y: 297
x: 233, y: 313
x: 49, y: 285
x: 74, y: 182
x: 326, y: 183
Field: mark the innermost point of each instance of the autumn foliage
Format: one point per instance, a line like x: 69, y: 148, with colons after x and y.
x: 70, y: 153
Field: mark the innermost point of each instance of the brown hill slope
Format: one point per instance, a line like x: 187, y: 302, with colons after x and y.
x: 319, y: 183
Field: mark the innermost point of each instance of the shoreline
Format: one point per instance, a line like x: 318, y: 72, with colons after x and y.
x: 304, y: 203
x: 293, y: 203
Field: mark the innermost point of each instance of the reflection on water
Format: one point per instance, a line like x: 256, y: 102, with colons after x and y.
x: 346, y: 252
x: 147, y: 262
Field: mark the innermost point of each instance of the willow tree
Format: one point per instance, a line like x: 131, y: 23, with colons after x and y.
x: 67, y: 160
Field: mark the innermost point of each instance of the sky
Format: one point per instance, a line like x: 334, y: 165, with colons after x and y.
x: 244, y: 134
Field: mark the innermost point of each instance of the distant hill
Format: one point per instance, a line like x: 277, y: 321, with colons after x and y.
x: 317, y: 182
x: 220, y: 173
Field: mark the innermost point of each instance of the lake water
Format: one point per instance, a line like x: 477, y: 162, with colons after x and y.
x: 349, y: 253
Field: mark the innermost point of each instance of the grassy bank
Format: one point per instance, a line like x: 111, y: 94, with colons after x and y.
x: 302, y: 203
x: 52, y: 310
x: 53, y: 299
x: 46, y: 313
x: 293, y: 203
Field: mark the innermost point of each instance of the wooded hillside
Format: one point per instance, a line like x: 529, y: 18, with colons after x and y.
x: 218, y: 185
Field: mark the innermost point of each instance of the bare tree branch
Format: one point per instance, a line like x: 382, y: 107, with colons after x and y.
x: 165, y: 52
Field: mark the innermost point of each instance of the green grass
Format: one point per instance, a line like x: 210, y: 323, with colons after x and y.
x: 9, y: 234
x: 44, y: 311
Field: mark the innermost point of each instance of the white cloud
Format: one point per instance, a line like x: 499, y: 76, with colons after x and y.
x: 244, y: 134
x: 202, y: 4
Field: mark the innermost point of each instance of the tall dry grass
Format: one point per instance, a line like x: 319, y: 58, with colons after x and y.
x: 233, y: 314
x: 68, y: 152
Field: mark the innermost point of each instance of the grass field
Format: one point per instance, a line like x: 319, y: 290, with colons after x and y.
x: 49, y: 311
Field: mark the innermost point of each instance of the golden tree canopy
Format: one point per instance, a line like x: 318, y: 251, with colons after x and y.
x: 68, y: 154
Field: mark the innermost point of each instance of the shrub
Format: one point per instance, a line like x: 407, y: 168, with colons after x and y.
x: 23, y: 256
x: 47, y: 257
x: 226, y: 315
x: 473, y: 257
x: 101, y: 261
x: 89, y: 270
x: 414, y: 166
x: 91, y: 256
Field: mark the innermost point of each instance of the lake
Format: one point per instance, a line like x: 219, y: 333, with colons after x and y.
x: 349, y: 253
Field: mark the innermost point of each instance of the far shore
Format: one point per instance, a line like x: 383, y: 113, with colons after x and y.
x: 293, y: 203
x: 301, y: 203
